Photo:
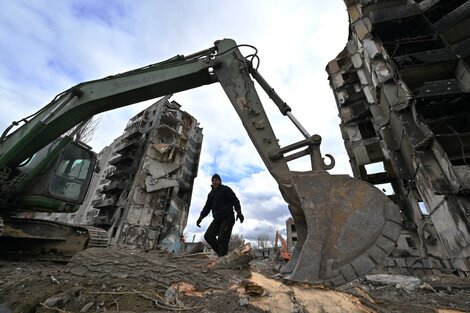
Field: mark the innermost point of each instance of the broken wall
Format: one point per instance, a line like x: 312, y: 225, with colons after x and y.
x: 402, y: 88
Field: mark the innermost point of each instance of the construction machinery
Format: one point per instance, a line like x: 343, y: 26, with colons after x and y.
x: 283, y: 251
x: 345, y: 226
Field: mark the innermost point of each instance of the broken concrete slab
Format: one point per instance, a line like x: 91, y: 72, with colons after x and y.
x: 399, y: 281
x: 152, y: 184
x: 158, y: 170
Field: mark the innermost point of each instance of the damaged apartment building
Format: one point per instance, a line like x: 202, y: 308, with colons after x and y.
x: 402, y: 88
x: 142, y: 193
x: 143, y: 196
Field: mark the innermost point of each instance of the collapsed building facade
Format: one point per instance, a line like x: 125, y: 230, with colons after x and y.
x: 142, y: 193
x: 402, y: 88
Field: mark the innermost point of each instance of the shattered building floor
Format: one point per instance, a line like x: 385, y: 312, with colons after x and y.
x: 129, y: 280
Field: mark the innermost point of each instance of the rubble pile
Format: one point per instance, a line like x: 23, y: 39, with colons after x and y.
x: 121, y: 279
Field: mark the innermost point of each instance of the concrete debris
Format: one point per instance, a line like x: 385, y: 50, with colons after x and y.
x: 56, y: 301
x: 399, y: 281
x: 158, y: 170
x: 172, y: 296
x: 243, y: 301
x: 427, y: 287
x: 54, y: 280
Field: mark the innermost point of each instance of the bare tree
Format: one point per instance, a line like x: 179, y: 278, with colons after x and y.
x: 263, y: 241
x: 85, y: 131
x: 236, y: 241
x: 272, y: 242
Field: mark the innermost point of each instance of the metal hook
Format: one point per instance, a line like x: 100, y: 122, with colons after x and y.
x: 317, y: 160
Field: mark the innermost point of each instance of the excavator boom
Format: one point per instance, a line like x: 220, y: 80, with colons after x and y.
x: 345, y: 227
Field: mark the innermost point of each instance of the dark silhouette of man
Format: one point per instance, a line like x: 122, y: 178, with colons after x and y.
x: 222, y: 201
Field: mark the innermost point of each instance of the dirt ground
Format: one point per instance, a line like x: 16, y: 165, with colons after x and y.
x: 127, y: 280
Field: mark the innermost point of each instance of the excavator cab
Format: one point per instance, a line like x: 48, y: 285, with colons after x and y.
x: 62, y: 185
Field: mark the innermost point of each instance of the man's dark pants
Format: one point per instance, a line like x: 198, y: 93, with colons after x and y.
x: 218, y: 235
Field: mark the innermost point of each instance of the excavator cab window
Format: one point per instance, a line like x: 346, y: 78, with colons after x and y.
x: 70, y: 180
x: 62, y: 185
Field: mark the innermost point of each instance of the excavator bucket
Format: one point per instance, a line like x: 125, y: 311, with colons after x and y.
x: 345, y: 227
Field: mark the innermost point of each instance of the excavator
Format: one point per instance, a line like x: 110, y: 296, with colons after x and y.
x: 283, y: 251
x: 345, y: 227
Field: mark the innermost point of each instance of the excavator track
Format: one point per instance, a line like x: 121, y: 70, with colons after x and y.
x: 98, y: 238
x: 34, y: 238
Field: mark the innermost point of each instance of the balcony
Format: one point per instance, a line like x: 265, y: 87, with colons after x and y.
x: 114, y: 187
x: 122, y: 173
x: 139, y: 119
x: 133, y: 133
x: 108, y: 203
x: 121, y: 160
x: 103, y: 221
x: 128, y: 145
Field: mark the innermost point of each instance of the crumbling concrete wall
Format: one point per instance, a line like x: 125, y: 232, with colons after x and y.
x: 145, y: 198
x: 402, y: 88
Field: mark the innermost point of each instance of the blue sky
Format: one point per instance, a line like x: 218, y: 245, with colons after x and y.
x: 47, y: 47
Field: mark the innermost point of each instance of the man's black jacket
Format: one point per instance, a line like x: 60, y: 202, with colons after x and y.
x: 221, y: 200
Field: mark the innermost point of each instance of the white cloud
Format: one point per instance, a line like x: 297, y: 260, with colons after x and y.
x: 46, y: 50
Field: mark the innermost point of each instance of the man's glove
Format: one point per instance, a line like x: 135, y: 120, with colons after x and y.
x: 240, y: 217
x: 198, y: 222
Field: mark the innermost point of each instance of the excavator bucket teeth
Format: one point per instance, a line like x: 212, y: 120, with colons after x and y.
x: 347, y: 227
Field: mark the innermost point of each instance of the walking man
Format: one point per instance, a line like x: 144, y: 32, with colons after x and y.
x: 222, y: 201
